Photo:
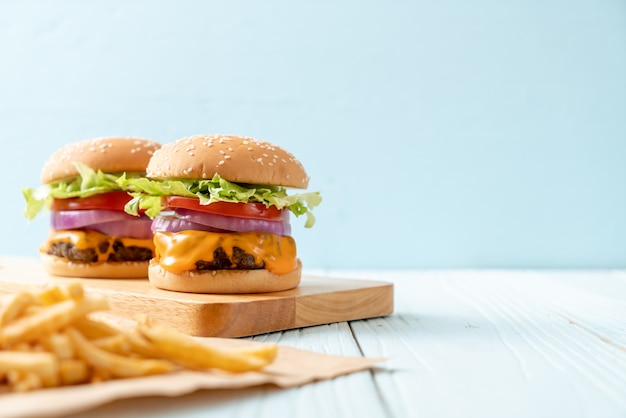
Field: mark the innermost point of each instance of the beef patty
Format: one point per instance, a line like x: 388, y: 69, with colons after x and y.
x: 90, y: 255
x: 240, y: 260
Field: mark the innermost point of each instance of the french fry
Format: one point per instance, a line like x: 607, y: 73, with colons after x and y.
x: 50, y: 319
x: 74, y: 290
x: 141, y: 345
x: 117, y: 344
x: 12, y: 305
x: 58, y: 293
x: 51, y: 295
x: 44, y: 365
x: 32, y: 309
x: 93, y: 328
x: 21, y: 347
x: 14, y: 377
x: 189, y: 353
x: 57, y: 336
x: 73, y: 371
x: 60, y: 344
x: 99, y: 375
x: 118, y: 366
x: 25, y: 381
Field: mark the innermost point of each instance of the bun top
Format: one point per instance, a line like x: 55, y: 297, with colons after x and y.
x: 109, y: 154
x: 237, y: 159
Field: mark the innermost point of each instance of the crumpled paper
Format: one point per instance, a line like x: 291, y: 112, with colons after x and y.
x: 292, y: 367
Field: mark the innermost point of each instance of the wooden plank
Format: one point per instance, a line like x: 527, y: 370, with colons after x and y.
x: 501, y: 343
x: 318, y: 300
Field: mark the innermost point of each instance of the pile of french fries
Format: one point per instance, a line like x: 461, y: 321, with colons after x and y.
x: 54, y: 336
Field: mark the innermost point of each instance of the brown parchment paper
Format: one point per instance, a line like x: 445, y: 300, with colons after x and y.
x: 292, y: 367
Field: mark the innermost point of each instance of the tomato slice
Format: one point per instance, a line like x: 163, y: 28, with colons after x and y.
x: 109, y: 200
x: 240, y: 210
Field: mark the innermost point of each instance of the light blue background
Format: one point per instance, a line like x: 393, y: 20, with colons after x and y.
x: 441, y: 134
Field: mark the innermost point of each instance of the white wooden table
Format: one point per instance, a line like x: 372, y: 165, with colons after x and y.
x: 460, y: 344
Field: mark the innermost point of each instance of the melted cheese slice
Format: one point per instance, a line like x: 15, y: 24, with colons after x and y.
x: 102, y: 243
x: 178, y: 252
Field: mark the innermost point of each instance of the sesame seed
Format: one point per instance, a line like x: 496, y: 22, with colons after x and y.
x: 221, y: 162
x: 226, y: 157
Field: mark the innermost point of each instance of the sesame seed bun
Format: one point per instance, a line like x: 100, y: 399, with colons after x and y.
x: 57, y: 266
x: 109, y: 154
x: 237, y: 159
x: 223, y: 281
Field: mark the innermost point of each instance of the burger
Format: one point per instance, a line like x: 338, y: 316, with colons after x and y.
x: 91, y: 235
x: 222, y: 214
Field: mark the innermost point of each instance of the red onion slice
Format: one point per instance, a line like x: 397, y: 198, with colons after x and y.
x: 172, y: 224
x: 232, y: 223
x: 186, y: 219
x: 110, y: 222
x: 135, y: 228
x: 73, y: 219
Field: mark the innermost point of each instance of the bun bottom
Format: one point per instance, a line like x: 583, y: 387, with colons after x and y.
x: 57, y: 266
x: 224, y: 281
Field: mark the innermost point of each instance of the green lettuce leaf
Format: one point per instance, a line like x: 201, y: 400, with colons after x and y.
x: 89, y: 182
x: 147, y: 195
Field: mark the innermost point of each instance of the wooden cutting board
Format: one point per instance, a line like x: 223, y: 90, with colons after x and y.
x: 317, y: 301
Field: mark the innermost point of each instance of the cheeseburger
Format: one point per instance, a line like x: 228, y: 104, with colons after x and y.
x: 222, y: 214
x: 91, y: 235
